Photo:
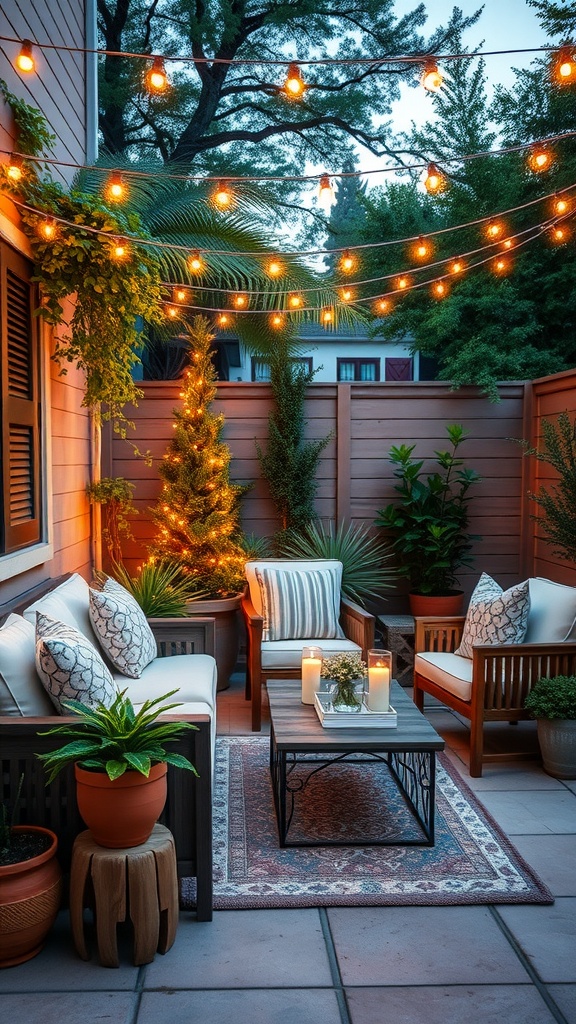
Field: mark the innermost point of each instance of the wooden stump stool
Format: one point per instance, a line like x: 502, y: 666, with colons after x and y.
x: 139, y: 883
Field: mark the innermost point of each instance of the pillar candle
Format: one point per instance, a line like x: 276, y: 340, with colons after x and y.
x: 378, y: 687
x: 311, y: 668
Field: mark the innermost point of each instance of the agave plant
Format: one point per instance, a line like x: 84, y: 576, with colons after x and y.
x: 366, y: 572
x: 160, y: 588
x: 117, y: 738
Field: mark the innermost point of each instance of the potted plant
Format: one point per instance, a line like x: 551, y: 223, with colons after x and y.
x: 429, y: 523
x: 120, y: 762
x: 30, y: 886
x: 552, y: 702
x: 344, y: 671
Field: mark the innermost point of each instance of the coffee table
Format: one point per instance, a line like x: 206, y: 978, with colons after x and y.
x: 407, y: 752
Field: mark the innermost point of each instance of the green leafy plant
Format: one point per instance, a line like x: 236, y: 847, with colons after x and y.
x: 364, y: 559
x: 558, y: 500
x: 160, y: 588
x: 116, y: 739
x: 115, y: 496
x: 429, y: 522
x: 553, y: 697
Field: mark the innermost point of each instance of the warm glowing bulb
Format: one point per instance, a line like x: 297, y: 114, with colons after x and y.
x: 172, y: 311
x: 403, y: 283
x: 434, y: 181
x: 382, y: 306
x: 346, y: 294
x: 539, y: 160
x: 222, y: 196
x: 439, y: 290
x: 325, y: 193
x: 508, y: 243
x: 327, y: 316
x: 274, y: 268
x: 347, y: 262
x: 457, y: 266
x: 119, y: 250
x: 14, y: 169
x: 156, y: 77
x: 294, y: 85
x: 277, y: 320
x: 47, y: 229
x: 561, y: 205
x: 422, y: 249
x: 241, y: 301
x: 565, y: 66
x: 295, y: 301
x: 500, y: 265
x: 180, y: 294
x: 115, y: 189
x: 494, y: 229
x: 223, y: 320
x: 25, y: 59
x: 432, y: 78
x: 196, y: 263
x: 559, y: 234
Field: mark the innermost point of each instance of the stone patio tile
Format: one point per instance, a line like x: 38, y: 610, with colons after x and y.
x: 553, y: 858
x: 256, y: 1006
x: 547, y: 936
x: 565, y: 997
x: 570, y: 784
x: 533, y: 812
x: 422, y: 945
x: 59, y: 968
x: 511, y: 776
x: 491, y: 1004
x: 68, y: 1008
x: 245, y: 949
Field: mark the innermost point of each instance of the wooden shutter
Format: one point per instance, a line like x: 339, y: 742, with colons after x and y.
x: 21, y: 499
x: 399, y: 368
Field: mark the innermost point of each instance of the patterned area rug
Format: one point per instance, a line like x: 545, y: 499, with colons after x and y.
x: 472, y: 861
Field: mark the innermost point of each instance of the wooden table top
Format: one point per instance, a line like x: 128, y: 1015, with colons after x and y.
x: 298, y: 728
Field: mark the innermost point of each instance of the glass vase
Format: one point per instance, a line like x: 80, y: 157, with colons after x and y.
x: 345, y: 699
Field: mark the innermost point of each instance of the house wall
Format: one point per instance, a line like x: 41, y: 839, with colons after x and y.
x: 355, y: 477
x: 59, y: 90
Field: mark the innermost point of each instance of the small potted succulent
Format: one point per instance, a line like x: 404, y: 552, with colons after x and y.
x: 120, y: 762
x: 552, y: 702
x: 344, y: 672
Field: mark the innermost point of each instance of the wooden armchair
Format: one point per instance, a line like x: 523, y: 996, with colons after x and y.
x: 489, y: 687
x: 282, y: 660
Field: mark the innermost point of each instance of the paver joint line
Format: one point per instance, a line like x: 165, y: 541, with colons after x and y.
x: 334, y: 966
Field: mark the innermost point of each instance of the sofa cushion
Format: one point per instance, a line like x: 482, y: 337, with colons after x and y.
x: 69, y: 666
x: 495, y: 616
x: 281, y: 654
x: 69, y: 603
x: 298, y: 603
x: 122, y: 628
x: 21, y: 692
x: 449, y: 671
x: 552, y: 616
x: 284, y: 563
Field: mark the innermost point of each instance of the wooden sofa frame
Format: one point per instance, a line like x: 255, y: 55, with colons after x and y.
x: 502, y: 676
x: 358, y: 626
x: 188, y: 811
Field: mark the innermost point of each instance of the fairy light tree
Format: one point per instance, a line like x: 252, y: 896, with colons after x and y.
x: 198, y: 510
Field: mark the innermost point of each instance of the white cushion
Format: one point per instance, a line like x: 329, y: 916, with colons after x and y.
x: 552, y: 616
x: 495, y: 616
x: 298, y: 603
x: 122, y: 628
x: 449, y: 671
x: 67, y: 603
x: 69, y: 666
x: 279, y: 654
x: 282, y: 563
x: 21, y: 692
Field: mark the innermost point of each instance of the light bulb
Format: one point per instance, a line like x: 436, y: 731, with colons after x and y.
x: 180, y: 294
x: 565, y: 65
x: 25, y: 59
x: 346, y: 294
x: 195, y: 262
x: 294, y: 85
x: 560, y: 234
x: 325, y: 193
x: 172, y: 311
x: 382, y: 306
x: 347, y: 262
x: 295, y: 301
x: 422, y: 249
x: 539, y: 159
x: 156, y: 78
x: 224, y: 320
x: 494, y: 229
x: 222, y: 196
x: 457, y: 266
x: 561, y: 205
x: 434, y: 181
x: 47, y: 229
x: 115, y: 188
x: 439, y: 289
x: 274, y: 268
x: 15, y: 168
x: 241, y: 301
x: 431, y: 77
x: 327, y: 316
x: 119, y: 250
x: 500, y: 265
x: 403, y: 282
x: 277, y: 320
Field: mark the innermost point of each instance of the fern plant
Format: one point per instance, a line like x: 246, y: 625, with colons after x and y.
x: 558, y: 500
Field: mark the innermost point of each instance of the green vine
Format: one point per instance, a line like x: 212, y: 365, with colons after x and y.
x: 112, y: 296
x: 115, y: 496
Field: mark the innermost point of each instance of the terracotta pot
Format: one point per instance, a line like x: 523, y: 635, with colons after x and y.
x: 30, y: 895
x: 226, y: 612
x: 444, y: 604
x: 122, y: 812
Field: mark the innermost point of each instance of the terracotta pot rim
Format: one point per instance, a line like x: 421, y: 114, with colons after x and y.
x: 444, y: 593
x: 224, y: 604
x: 131, y: 777
x: 31, y: 862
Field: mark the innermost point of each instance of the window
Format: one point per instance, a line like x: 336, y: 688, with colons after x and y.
x: 20, y: 519
x: 357, y: 369
x: 261, y: 369
x: 399, y: 368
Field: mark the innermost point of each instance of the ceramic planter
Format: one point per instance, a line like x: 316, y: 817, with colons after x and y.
x: 122, y: 812
x: 444, y: 604
x: 226, y: 613
x: 30, y: 895
x: 557, y: 739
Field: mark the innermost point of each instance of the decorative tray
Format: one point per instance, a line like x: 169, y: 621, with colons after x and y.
x: 363, y: 719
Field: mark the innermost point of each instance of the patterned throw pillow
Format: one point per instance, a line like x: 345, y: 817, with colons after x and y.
x: 300, y: 603
x: 122, y: 629
x: 69, y: 666
x: 495, y: 616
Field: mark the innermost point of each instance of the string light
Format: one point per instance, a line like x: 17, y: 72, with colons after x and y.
x: 382, y: 307
x: 274, y: 268
x: 422, y: 249
x: 347, y: 294
x: 172, y: 312
x: 435, y: 181
x: 327, y: 315
x: 15, y: 168
x: 403, y: 283
x: 494, y: 229
x: 222, y: 196
x: 560, y: 205
x: 325, y: 193
x: 115, y: 189
x: 119, y: 249
x: 431, y: 78
x: 501, y: 266
x: 294, y: 84
x: 539, y: 159
x: 240, y: 300
x: 347, y: 262
x: 564, y: 65
x: 180, y: 295
x: 195, y: 262
x: 47, y: 229
x: 25, y: 60
x: 156, y: 78
x: 440, y: 289
x: 295, y: 301
x: 277, y: 320
x: 457, y: 266
x: 560, y: 234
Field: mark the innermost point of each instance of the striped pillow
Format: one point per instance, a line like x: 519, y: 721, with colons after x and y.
x: 300, y: 604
